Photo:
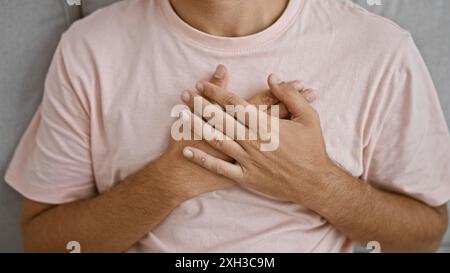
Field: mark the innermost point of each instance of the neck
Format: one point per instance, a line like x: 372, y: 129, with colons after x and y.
x: 229, y: 18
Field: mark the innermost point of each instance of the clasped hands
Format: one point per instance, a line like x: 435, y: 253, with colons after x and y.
x: 299, y: 165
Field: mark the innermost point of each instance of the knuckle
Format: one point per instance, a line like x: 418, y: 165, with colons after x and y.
x: 229, y: 100
x: 315, y: 114
x: 252, y: 143
x: 217, y: 167
x: 298, y: 85
x: 268, y: 100
x: 218, y: 143
x: 202, y: 160
x: 207, y: 91
x: 218, y: 122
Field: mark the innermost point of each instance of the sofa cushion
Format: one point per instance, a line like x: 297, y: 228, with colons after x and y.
x: 29, y: 32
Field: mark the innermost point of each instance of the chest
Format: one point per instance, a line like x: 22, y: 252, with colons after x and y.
x: 137, y: 110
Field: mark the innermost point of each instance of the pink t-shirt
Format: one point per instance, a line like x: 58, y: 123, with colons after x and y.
x: 117, y: 74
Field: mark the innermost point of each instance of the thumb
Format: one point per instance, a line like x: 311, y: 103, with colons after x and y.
x: 288, y: 94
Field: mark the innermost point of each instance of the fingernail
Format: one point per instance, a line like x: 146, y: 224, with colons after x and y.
x: 186, y: 96
x: 309, y: 95
x: 220, y: 72
x: 185, y: 115
x: 199, y: 86
x: 298, y: 85
x: 274, y: 79
x: 188, y: 153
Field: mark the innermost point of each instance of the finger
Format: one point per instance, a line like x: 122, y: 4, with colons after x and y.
x: 220, y: 76
x: 207, y: 148
x: 309, y: 95
x: 213, y: 164
x: 214, y: 115
x: 264, y: 98
x: 196, y: 103
x: 219, y: 94
x: 237, y: 107
x: 268, y: 99
x: 283, y: 112
x: 295, y: 103
x: 213, y: 137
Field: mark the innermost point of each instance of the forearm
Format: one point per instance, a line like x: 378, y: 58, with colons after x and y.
x: 365, y: 213
x: 111, y: 222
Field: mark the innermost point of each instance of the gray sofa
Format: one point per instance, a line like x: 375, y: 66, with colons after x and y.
x: 30, y: 30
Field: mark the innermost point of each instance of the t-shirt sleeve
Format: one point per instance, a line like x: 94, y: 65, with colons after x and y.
x: 52, y: 163
x: 410, y: 151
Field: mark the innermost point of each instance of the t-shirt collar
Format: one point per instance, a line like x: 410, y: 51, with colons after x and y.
x: 202, y: 39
